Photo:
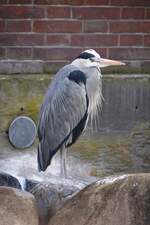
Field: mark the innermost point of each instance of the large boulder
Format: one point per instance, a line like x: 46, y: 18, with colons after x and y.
x: 17, y: 207
x: 123, y: 201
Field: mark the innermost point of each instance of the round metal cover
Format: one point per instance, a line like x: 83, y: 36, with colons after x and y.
x: 22, y: 132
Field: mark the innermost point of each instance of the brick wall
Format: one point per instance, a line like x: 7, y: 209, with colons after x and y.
x: 55, y: 31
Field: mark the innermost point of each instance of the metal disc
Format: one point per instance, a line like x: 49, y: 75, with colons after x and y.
x: 22, y: 132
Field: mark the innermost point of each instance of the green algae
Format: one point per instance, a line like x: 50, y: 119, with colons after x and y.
x: 21, y: 95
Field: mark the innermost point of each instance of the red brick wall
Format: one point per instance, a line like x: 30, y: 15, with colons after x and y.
x: 57, y: 30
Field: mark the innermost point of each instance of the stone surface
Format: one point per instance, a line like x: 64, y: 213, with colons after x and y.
x: 50, y: 197
x: 30, y: 184
x: 17, y: 207
x: 21, y: 96
x: 8, y: 180
x: 21, y: 66
x: 123, y: 201
x: 126, y: 102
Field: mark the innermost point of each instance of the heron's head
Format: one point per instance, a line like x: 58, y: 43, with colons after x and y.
x: 90, y: 58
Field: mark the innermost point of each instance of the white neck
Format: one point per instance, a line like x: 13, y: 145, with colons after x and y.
x: 79, y: 63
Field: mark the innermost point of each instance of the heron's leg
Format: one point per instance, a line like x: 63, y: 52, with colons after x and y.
x: 63, y: 154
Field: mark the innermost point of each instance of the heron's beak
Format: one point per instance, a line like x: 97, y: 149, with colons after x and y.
x: 109, y: 62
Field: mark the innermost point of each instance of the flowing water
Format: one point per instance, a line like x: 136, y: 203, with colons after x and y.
x: 93, y: 156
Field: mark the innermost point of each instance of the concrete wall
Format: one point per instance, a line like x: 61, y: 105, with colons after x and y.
x: 126, y: 104
x: 55, y: 32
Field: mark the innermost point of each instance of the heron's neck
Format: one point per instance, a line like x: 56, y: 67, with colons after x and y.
x: 80, y: 63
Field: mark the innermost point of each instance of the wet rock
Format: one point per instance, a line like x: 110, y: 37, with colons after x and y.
x: 123, y: 201
x: 9, y: 181
x: 17, y: 207
x: 50, y: 197
x: 29, y: 184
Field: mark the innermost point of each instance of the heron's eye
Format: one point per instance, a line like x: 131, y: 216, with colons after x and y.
x: 92, y: 59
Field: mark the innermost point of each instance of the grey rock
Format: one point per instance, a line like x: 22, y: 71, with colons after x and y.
x: 17, y: 207
x: 29, y: 184
x: 9, y: 181
x: 125, y: 201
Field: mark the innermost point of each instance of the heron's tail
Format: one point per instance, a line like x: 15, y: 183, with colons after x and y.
x: 44, y: 157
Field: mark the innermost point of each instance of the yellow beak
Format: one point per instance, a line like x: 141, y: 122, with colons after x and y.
x: 109, y: 62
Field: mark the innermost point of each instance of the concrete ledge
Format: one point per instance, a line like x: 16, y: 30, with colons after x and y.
x: 29, y: 66
x: 39, y: 67
x: 18, y: 67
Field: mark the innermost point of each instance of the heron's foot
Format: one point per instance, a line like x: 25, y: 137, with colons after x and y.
x: 63, y: 162
x: 64, y: 173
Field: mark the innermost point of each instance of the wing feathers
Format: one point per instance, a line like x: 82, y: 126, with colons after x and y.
x: 63, y: 114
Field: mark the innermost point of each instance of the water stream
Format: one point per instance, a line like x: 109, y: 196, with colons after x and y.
x: 93, y: 156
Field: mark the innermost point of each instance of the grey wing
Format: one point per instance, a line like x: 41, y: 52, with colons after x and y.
x: 63, y: 117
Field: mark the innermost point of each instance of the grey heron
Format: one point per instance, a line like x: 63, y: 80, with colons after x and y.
x: 73, y: 97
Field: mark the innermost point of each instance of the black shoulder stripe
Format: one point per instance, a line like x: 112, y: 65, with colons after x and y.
x: 77, y: 131
x: 77, y: 76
